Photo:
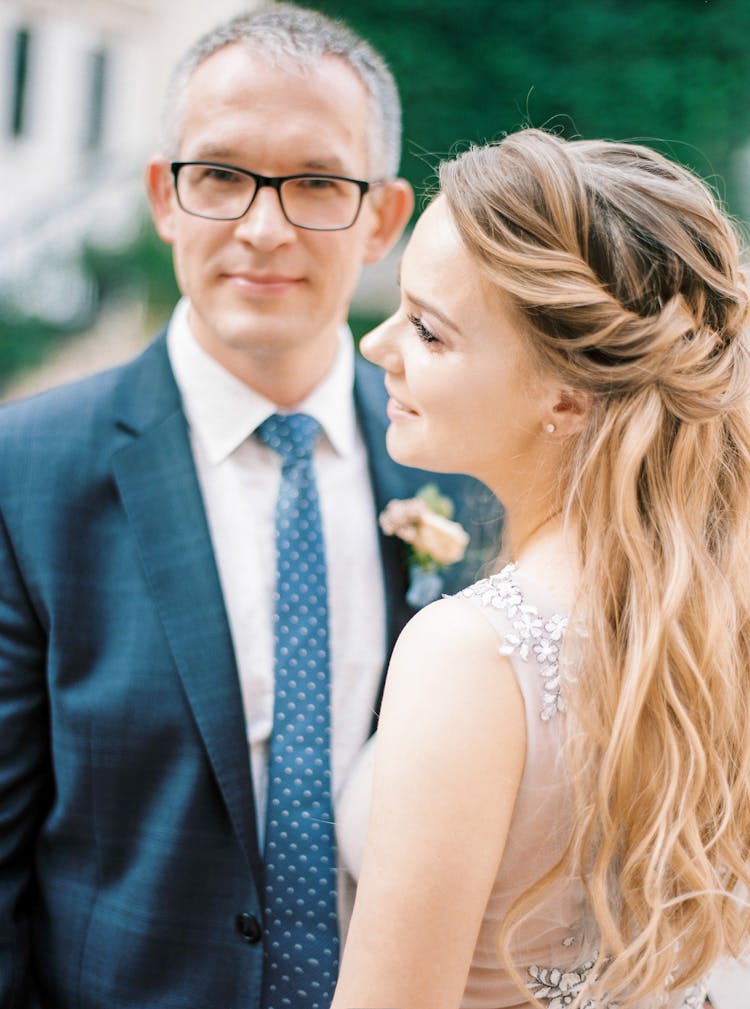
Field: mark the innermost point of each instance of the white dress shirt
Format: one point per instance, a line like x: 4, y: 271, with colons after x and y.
x: 239, y: 478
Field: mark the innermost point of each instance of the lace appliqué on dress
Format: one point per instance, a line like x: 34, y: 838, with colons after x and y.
x: 530, y: 633
x: 695, y: 996
x: 559, y: 987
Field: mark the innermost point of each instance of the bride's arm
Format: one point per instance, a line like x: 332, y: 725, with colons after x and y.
x: 449, y: 760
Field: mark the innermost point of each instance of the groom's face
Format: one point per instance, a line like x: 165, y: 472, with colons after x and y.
x: 261, y: 288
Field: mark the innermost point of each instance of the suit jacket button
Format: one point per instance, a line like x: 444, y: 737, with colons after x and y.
x: 249, y: 928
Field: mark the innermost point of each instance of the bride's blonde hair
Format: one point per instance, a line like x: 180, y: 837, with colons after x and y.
x: 628, y: 276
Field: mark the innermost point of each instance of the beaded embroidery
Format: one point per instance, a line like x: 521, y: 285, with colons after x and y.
x: 558, y: 987
x: 695, y: 996
x: 530, y: 633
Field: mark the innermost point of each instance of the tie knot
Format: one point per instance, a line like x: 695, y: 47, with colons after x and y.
x: 292, y: 435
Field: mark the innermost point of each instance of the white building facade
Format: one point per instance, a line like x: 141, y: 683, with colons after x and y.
x: 81, y: 87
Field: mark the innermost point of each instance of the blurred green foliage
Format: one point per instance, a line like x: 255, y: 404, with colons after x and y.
x: 25, y: 342
x: 145, y: 267
x: 674, y: 73
x: 362, y: 322
x: 142, y: 269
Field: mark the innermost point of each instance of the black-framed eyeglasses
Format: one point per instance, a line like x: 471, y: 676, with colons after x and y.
x: 225, y: 193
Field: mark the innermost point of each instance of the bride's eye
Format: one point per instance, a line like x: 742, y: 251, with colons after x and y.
x: 424, y: 333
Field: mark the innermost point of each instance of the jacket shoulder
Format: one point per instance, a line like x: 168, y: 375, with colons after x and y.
x: 74, y: 401
x: 75, y: 424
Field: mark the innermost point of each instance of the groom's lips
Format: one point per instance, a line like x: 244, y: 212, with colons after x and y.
x: 260, y: 284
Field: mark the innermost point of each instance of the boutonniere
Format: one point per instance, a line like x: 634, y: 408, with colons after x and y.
x: 425, y: 523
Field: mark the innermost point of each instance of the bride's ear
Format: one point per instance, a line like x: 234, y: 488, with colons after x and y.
x: 569, y: 411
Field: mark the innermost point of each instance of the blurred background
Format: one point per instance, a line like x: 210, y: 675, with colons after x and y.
x: 84, y: 282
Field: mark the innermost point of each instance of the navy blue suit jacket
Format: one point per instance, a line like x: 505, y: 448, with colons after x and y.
x: 130, y: 872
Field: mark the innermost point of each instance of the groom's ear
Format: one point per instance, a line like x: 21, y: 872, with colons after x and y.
x: 392, y: 205
x: 161, y: 197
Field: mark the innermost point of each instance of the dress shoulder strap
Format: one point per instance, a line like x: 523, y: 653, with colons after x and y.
x: 530, y: 634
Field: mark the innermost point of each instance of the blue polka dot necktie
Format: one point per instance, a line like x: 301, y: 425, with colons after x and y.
x: 301, y: 924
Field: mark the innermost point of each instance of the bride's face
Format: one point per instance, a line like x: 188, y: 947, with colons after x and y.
x: 465, y: 394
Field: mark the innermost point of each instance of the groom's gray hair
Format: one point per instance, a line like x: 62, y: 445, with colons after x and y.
x: 286, y: 34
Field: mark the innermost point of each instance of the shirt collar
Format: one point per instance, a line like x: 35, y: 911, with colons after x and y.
x: 223, y: 412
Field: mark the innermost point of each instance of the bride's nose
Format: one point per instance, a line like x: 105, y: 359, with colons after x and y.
x: 381, y: 347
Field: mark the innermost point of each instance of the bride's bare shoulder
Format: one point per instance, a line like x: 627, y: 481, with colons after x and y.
x: 449, y: 645
x: 450, y: 622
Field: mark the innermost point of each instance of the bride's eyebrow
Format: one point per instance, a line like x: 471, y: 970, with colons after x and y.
x: 425, y: 306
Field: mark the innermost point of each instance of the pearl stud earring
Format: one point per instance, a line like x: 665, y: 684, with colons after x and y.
x: 550, y: 429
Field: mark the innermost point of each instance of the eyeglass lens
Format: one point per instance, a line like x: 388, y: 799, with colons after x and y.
x: 309, y: 202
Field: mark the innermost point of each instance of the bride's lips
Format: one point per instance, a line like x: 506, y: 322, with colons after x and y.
x: 261, y: 284
x: 397, y: 410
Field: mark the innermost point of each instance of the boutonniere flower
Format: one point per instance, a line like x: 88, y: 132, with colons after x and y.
x: 425, y: 523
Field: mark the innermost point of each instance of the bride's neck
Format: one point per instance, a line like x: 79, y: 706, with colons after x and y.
x: 547, y: 550
x: 521, y: 535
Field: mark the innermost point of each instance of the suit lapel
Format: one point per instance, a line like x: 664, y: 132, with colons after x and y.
x: 156, y: 477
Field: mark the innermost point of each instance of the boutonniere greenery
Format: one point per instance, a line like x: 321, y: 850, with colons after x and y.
x: 425, y: 523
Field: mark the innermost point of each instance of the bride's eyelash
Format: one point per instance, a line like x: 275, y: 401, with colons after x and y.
x: 424, y: 333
